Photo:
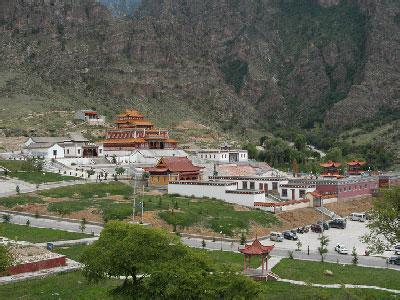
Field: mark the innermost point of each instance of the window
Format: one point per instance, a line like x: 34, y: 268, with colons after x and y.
x: 252, y: 185
x: 260, y: 186
x: 54, y: 152
x: 67, y: 151
x: 302, y: 193
x: 79, y: 151
x: 100, y: 151
x: 284, y: 192
x: 244, y: 185
x: 274, y: 186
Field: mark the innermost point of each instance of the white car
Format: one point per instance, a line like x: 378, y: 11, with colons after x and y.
x: 341, y: 249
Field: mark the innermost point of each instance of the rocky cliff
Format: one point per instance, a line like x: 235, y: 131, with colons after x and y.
x: 237, y: 63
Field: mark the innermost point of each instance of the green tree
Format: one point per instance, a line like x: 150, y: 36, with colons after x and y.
x: 300, y: 142
x: 17, y: 189
x: 82, y: 225
x: 252, y: 150
x: 355, y: 256
x: 323, y: 246
x: 6, y: 259
x: 334, y: 154
x: 119, y: 170
x: 242, y: 239
x: 203, y: 243
x: 6, y: 218
x: 384, y: 226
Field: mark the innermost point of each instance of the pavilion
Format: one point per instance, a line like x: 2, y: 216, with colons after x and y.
x: 355, y: 167
x: 257, y: 249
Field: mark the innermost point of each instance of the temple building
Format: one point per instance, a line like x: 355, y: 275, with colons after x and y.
x: 331, y: 169
x: 171, y: 169
x: 132, y: 132
x: 355, y: 167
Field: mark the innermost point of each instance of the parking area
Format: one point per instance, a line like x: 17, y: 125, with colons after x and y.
x: 349, y: 237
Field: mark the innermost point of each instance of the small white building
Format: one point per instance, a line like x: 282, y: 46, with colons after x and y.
x: 74, y: 145
x: 91, y: 117
x: 223, y: 155
x: 144, y: 157
x: 225, y: 191
x: 295, y: 191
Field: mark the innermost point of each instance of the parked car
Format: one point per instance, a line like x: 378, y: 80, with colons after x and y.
x: 341, y: 249
x: 358, y: 217
x: 324, y: 224
x: 302, y: 230
x: 290, y: 235
x: 316, y: 228
x: 338, y: 223
x: 395, y: 260
x: 276, y: 236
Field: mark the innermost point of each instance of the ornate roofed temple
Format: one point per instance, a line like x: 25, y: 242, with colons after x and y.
x: 355, y: 167
x: 132, y: 131
x: 331, y: 169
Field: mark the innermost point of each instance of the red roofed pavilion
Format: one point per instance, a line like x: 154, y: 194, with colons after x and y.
x: 256, y: 249
x: 331, y: 169
x: 355, y: 167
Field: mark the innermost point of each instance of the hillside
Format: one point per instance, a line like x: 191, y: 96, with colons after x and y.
x: 233, y: 65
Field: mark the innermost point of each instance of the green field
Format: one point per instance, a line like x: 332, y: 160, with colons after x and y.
x: 73, y: 252
x: 13, y: 201
x: 74, y: 286
x: 90, y: 190
x: 22, y: 170
x: 313, y: 272
x: 37, y: 235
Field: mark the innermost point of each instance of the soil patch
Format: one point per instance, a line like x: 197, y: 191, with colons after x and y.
x: 346, y: 208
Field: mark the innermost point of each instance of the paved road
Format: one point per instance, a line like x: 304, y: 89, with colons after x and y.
x: 66, y: 225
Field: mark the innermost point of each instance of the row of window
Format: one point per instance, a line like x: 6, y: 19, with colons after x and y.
x: 354, y: 188
x: 302, y: 193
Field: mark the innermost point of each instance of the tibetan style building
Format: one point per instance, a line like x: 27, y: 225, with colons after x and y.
x: 172, y: 169
x: 331, y: 169
x: 132, y: 131
x: 355, y: 167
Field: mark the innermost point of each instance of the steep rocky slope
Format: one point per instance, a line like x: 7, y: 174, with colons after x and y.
x: 237, y: 64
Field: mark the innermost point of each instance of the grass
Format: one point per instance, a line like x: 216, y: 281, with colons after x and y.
x: 40, y: 177
x: 10, y: 202
x: 74, y: 286
x: 342, y: 274
x: 73, y: 252
x: 282, y: 290
x: 37, y: 235
x: 84, y: 191
x: 62, y: 286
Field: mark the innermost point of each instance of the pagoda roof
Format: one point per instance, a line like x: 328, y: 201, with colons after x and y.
x: 256, y: 248
x: 134, y: 122
x: 174, y: 164
x: 355, y: 163
x: 130, y: 113
x: 330, y: 164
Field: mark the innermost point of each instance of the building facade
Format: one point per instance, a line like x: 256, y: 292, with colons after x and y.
x: 266, y: 184
x: 223, y: 155
x: 91, y: 117
x: 133, y: 132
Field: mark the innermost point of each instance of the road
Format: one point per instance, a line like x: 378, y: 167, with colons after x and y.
x: 66, y: 225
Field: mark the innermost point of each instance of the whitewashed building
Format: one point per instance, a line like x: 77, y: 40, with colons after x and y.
x: 295, y: 190
x: 223, y: 155
x: 260, y: 183
x: 91, y: 117
x: 226, y: 191
x: 144, y: 157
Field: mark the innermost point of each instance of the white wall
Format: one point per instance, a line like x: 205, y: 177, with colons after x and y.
x: 296, y: 192
x: 244, y: 199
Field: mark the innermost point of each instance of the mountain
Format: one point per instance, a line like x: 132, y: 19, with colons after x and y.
x: 121, y: 7
x: 236, y: 64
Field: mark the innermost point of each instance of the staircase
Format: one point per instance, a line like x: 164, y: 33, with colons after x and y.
x: 272, y: 198
x: 272, y: 276
x: 327, y: 212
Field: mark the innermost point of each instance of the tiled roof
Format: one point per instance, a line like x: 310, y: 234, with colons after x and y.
x: 355, y: 163
x: 175, y: 164
x: 124, y: 141
x: 49, y: 139
x: 256, y: 248
x: 130, y: 113
x: 330, y: 164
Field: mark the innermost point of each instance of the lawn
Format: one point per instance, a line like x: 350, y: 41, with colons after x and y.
x: 40, y: 177
x: 13, y: 201
x: 282, y: 290
x: 73, y: 252
x: 313, y: 272
x: 37, y: 235
x: 90, y: 190
x: 24, y: 170
x: 74, y: 286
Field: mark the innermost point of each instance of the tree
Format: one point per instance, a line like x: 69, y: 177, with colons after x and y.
x: 6, y: 259
x: 242, y: 239
x: 6, y: 218
x: 323, y: 248
x: 334, y: 154
x: 384, y: 226
x: 300, y: 142
x: 90, y: 172
x: 119, y: 170
x: 28, y: 223
x: 17, y: 189
x: 203, y: 243
x: 355, y: 256
x: 252, y: 150
x: 114, y: 159
x: 299, y: 245
x: 156, y: 265
x: 82, y: 225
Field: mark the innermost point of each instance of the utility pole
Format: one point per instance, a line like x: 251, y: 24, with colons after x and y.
x: 134, y: 199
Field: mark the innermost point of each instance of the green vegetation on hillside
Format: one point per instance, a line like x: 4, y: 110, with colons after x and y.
x: 37, y: 235
x: 14, y: 201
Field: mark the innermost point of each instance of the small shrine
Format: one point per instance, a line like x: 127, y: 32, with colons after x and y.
x: 331, y: 169
x: 355, y: 167
x: 257, y: 249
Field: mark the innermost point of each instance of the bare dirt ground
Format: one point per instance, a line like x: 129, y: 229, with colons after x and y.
x: 11, y: 143
x: 345, y: 208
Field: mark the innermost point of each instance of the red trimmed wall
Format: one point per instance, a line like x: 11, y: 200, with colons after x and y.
x: 37, y: 265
